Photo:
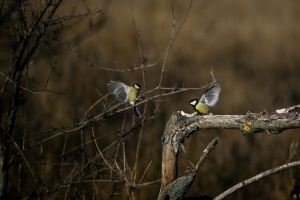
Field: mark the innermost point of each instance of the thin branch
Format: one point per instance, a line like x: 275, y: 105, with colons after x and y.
x: 26, y: 89
x: 138, y: 148
x: 7, y: 79
x: 73, y: 17
x: 257, y: 178
x: 106, y: 114
x: 141, y: 179
x: 90, y: 108
x: 39, y: 39
x: 88, y: 61
x: 172, y: 40
x: 19, y: 66
x: 104, y: 159
x: 142, y: 57
x: 21, y: 153
x: 206, y: 152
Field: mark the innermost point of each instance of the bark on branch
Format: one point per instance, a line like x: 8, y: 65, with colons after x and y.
x: 181, y: 125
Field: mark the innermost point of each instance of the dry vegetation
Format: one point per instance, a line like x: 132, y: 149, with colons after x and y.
x: 251, y: 46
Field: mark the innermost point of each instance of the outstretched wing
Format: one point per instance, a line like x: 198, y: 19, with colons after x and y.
x: 211, y: 95
x: 118, y: 89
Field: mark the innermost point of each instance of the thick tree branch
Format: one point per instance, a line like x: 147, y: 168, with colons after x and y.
x: 263, y: 122
x: 178, y: 188
x: 181, y: 125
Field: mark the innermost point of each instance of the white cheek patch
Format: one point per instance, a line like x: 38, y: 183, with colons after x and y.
x: 193, y: 102
x: 136, y: 86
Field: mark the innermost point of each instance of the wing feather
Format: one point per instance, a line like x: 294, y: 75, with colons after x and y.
x: 211, y: 95
x: 118, y: 89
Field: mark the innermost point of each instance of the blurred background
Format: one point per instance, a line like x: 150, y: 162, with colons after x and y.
x: 252, y: 47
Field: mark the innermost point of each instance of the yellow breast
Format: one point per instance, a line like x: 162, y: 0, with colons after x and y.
x: 202, y: 108
x: 132, y: 95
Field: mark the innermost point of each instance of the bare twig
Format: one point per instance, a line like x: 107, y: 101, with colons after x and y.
x: 206, y: 152
x: 142, y: 57
x: 138, y: 147
x: 172, y: 40
x: 257, y: 178
x: 73, y: 17
x: 88, y: 61
x: 26, y: 89
x: 141, y: 179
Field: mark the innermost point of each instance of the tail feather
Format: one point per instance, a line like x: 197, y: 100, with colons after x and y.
x: 137, y: 112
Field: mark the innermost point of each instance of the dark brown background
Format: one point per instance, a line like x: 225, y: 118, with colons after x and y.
x: 251, y: 46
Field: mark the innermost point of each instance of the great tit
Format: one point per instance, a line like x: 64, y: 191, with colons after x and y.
x: 125, y: 93
x: 209, y: 99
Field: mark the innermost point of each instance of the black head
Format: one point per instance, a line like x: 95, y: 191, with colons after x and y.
x: 194, y: 102
x: 136, y: 86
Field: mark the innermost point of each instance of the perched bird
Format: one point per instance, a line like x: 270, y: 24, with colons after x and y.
x: 209, y: 99
x: 125, y: 93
